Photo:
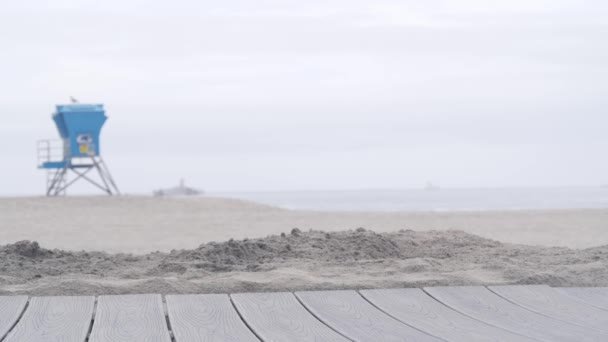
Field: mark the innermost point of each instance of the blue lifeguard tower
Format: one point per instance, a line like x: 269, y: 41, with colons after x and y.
x: 78, y: 152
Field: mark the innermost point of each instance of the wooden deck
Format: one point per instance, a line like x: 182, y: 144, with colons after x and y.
x: 467, y: 314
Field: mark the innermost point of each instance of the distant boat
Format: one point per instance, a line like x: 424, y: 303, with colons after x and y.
x: 431, y: 187
x: 180, y: 190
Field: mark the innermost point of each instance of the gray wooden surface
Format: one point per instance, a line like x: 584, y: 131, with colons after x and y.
x: 596, y: 296
x: 355, y: 318
x: 468, y: 314
x: 547, y: 301
x: 206, y: 318
x: 484, y: 305
x: 65, y: 319
x: 416, y: 308
x: 280, y: 317
x: 130, y: 318
x: 11, y: 308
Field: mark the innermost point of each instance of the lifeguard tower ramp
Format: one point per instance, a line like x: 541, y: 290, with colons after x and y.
x: 77, y: 154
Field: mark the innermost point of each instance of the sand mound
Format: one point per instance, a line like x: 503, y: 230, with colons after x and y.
x: 319, y: 246
x: 301, y: 261
x: 26, y: 249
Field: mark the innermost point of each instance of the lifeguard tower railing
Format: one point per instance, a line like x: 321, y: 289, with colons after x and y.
x: 51, y: 151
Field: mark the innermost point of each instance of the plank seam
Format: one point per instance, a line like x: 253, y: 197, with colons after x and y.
x: 318, y: 318
x: 92, y: 320
x: 166, y: 314
x: 27, y: 304
x: 542, y: 314
x: 397, y: 319
x: 243, y: 319
x: 472, y: 317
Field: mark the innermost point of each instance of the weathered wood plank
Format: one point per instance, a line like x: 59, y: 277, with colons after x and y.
x: 65, y: 319
x: 546, y: 301
x: 280, y: 317
x: 596, y: 296
x: 354, y: 317
x: 206, y: 318
x: 416, y: 308
x: 11, y: 308
x: 130, y: 318
x: 484, y: 305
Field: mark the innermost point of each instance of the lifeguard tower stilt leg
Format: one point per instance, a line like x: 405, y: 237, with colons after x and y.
x: 60, y: 182
x: 77, y: 153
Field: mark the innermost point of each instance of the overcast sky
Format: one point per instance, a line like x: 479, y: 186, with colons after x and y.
x: 286, y: 95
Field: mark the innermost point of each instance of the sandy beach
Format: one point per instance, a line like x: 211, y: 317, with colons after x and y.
x: 146, y: 224
x: 97, y: 245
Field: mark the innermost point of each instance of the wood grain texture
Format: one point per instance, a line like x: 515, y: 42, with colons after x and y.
x: 416, y: 308
x: 206, y: 318
x: 547, y: 301
x: 354, y: 317
x: 130, y: 318
x: 484, y: 305
x: 280, y: 317
x: 596, y: 296
x: 65, y: 319
x: 11, y: 308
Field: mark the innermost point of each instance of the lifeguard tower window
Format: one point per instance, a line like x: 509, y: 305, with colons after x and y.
x: 78, y: 151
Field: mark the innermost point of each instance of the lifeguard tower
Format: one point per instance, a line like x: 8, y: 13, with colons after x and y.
x: 78, y: 152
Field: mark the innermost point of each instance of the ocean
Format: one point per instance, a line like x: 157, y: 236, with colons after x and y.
x: 433, y: 200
